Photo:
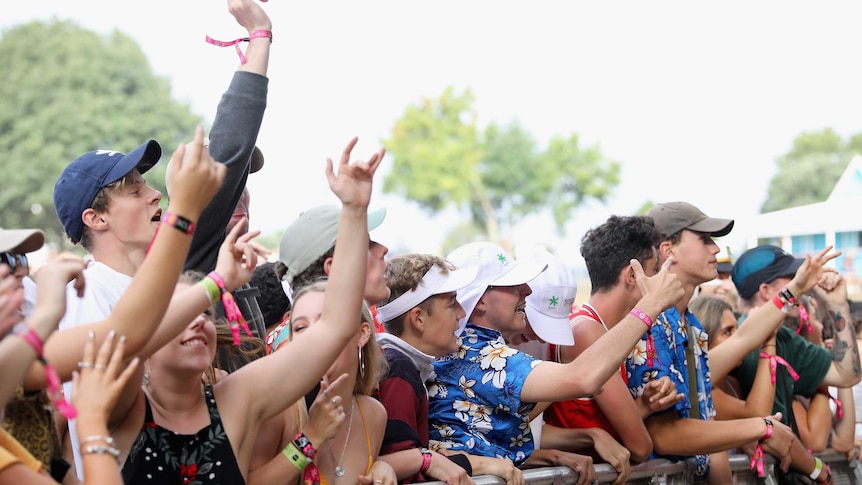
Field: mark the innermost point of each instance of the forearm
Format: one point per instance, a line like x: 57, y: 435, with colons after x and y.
x: 845, y: 353
x: 346, y: 282
x: 99, y: 468
x: 406, y: 463
x: 760, y: 325
x: 844, y: 428
x: 278, y: 470
x: 566, y: 439
x: 760, y: 400
x: 672, y: 435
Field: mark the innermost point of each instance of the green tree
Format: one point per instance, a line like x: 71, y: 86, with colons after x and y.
x: 808, y: 172
x: 441, y: 158
x: 71, y: 92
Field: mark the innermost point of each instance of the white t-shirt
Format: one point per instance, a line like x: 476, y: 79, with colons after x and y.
x: 103, y: 289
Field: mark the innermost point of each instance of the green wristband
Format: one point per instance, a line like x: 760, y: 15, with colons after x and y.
x: 299, y: 460
x: 212, y: 289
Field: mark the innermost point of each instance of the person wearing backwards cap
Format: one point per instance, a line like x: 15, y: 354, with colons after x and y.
x: 481, y: 399
x: 607, y: 250
x: 763, y: 276
x: 677, y: 347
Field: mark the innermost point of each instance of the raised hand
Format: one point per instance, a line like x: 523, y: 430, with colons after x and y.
x: 327, y: 411
x: 51, y: 281
x: 811, y: 271
x: 352, y: 183
x: 832, y: 288
x: 663, y: 290
x: 193, y: 177
x: 98, y: 382
x: 249, y: 14
x: 237, y: 256
x: 11, y: 297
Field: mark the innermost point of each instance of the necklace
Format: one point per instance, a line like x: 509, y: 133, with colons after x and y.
x: 339, y: 470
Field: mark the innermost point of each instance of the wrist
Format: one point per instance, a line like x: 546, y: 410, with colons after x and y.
x: 427, y: 456
x: 650, y: 307
x: 42, y: 323
x: 769, y: 428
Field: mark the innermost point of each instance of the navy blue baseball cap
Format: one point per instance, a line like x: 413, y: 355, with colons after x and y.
x: 81, y: 180
x: 760, y: 265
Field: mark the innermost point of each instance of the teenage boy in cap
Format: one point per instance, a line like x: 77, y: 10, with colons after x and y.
x: 305, y: 256
x: 677, y: 347
x: 607, y: 251
x: 763, y: 276
x: 481, y: 399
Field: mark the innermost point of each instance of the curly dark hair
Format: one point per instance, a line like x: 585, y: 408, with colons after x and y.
x: 608, y: 248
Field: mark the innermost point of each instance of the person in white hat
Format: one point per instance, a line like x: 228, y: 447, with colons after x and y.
x: 482, y: 396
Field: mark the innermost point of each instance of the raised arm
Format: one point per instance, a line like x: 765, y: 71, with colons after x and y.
x: 585, y: 375
x: 260, y: 383
x: 234, y: 133
x: 194, y: 178
x: 844, y: 370
x: 762, y: 322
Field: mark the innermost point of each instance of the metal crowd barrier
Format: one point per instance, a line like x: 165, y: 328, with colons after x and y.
x: 665, y: 472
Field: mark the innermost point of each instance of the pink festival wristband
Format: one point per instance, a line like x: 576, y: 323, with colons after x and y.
x: 642, y: 316
x: 257, y: 34
x: 54, y: 390
x: 231, y: 310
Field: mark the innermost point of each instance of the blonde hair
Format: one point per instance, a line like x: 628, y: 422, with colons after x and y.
x: 372, y: 365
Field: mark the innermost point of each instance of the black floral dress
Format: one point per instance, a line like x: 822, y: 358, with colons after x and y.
x: 160, y: 456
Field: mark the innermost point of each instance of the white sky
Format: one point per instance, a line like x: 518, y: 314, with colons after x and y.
x: 696, y: 100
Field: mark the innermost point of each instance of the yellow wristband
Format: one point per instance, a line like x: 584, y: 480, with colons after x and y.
x: 212, y: 289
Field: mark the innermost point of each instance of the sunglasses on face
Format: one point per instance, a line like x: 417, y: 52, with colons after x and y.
x: 14, y: 261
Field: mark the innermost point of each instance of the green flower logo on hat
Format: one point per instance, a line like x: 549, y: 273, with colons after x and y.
x: 503, y: 259
x: 554, y: 301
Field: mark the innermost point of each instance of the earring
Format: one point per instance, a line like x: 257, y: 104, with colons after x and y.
x: 361, y: 364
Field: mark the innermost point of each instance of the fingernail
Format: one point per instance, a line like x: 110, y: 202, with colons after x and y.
x: 112, y: 334
x: 91, y: 335
x: 122, y: 339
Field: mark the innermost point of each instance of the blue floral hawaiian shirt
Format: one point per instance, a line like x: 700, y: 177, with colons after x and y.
x: 666, y: 357
x: 474, y: 403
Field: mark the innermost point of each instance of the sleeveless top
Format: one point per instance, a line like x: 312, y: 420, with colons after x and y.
x: 582, y: 412
x: 160, y: 456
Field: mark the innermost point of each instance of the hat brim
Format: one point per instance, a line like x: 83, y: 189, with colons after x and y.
x: 21, y: 241
x: 143, y: 158
x: 522, y: 272
x: 714, y: 226
x: 552, y: 330
x: 791, y: 268
x: 459, y: 278
x: 256, y: 161
x: 375, y: 218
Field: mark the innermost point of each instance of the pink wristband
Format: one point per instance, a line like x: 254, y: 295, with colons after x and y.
x: 53, y: 380
x: 231, y: 310
x: 257, y: 34
x: 643, y: 316
x: 31, y: 337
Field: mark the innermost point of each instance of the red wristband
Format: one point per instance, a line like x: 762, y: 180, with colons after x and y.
x: 179, y: 222
x: 32, y: 338
x: 769, y: 429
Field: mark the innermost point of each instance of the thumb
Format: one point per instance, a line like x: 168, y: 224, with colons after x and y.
x: 667, y: 264
x: 638, y: 269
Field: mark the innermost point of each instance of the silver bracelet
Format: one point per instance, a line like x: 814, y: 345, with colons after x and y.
x: 101, y: 450
x: 96, y: 438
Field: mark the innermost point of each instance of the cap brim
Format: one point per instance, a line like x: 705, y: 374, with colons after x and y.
x: 143, y: 158
x: 522, y: 272
x: 375, y: 218
x: 714, y: 226
x: 459, y: 278
x: 21, y: 241
x: 791, y: 268
x: 256, y: 161
x: 552, y: 330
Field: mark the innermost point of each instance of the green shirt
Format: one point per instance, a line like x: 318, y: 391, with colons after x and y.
x: 810, y: 361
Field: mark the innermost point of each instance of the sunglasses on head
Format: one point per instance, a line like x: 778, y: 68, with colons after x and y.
x: 14, y: 261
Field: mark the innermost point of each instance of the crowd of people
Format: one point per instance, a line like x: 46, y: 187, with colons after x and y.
x: 175, y: 353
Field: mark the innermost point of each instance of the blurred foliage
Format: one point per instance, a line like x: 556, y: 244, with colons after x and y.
x: 498, y: 175
x: 65, y: 91
x: 809, y: 171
